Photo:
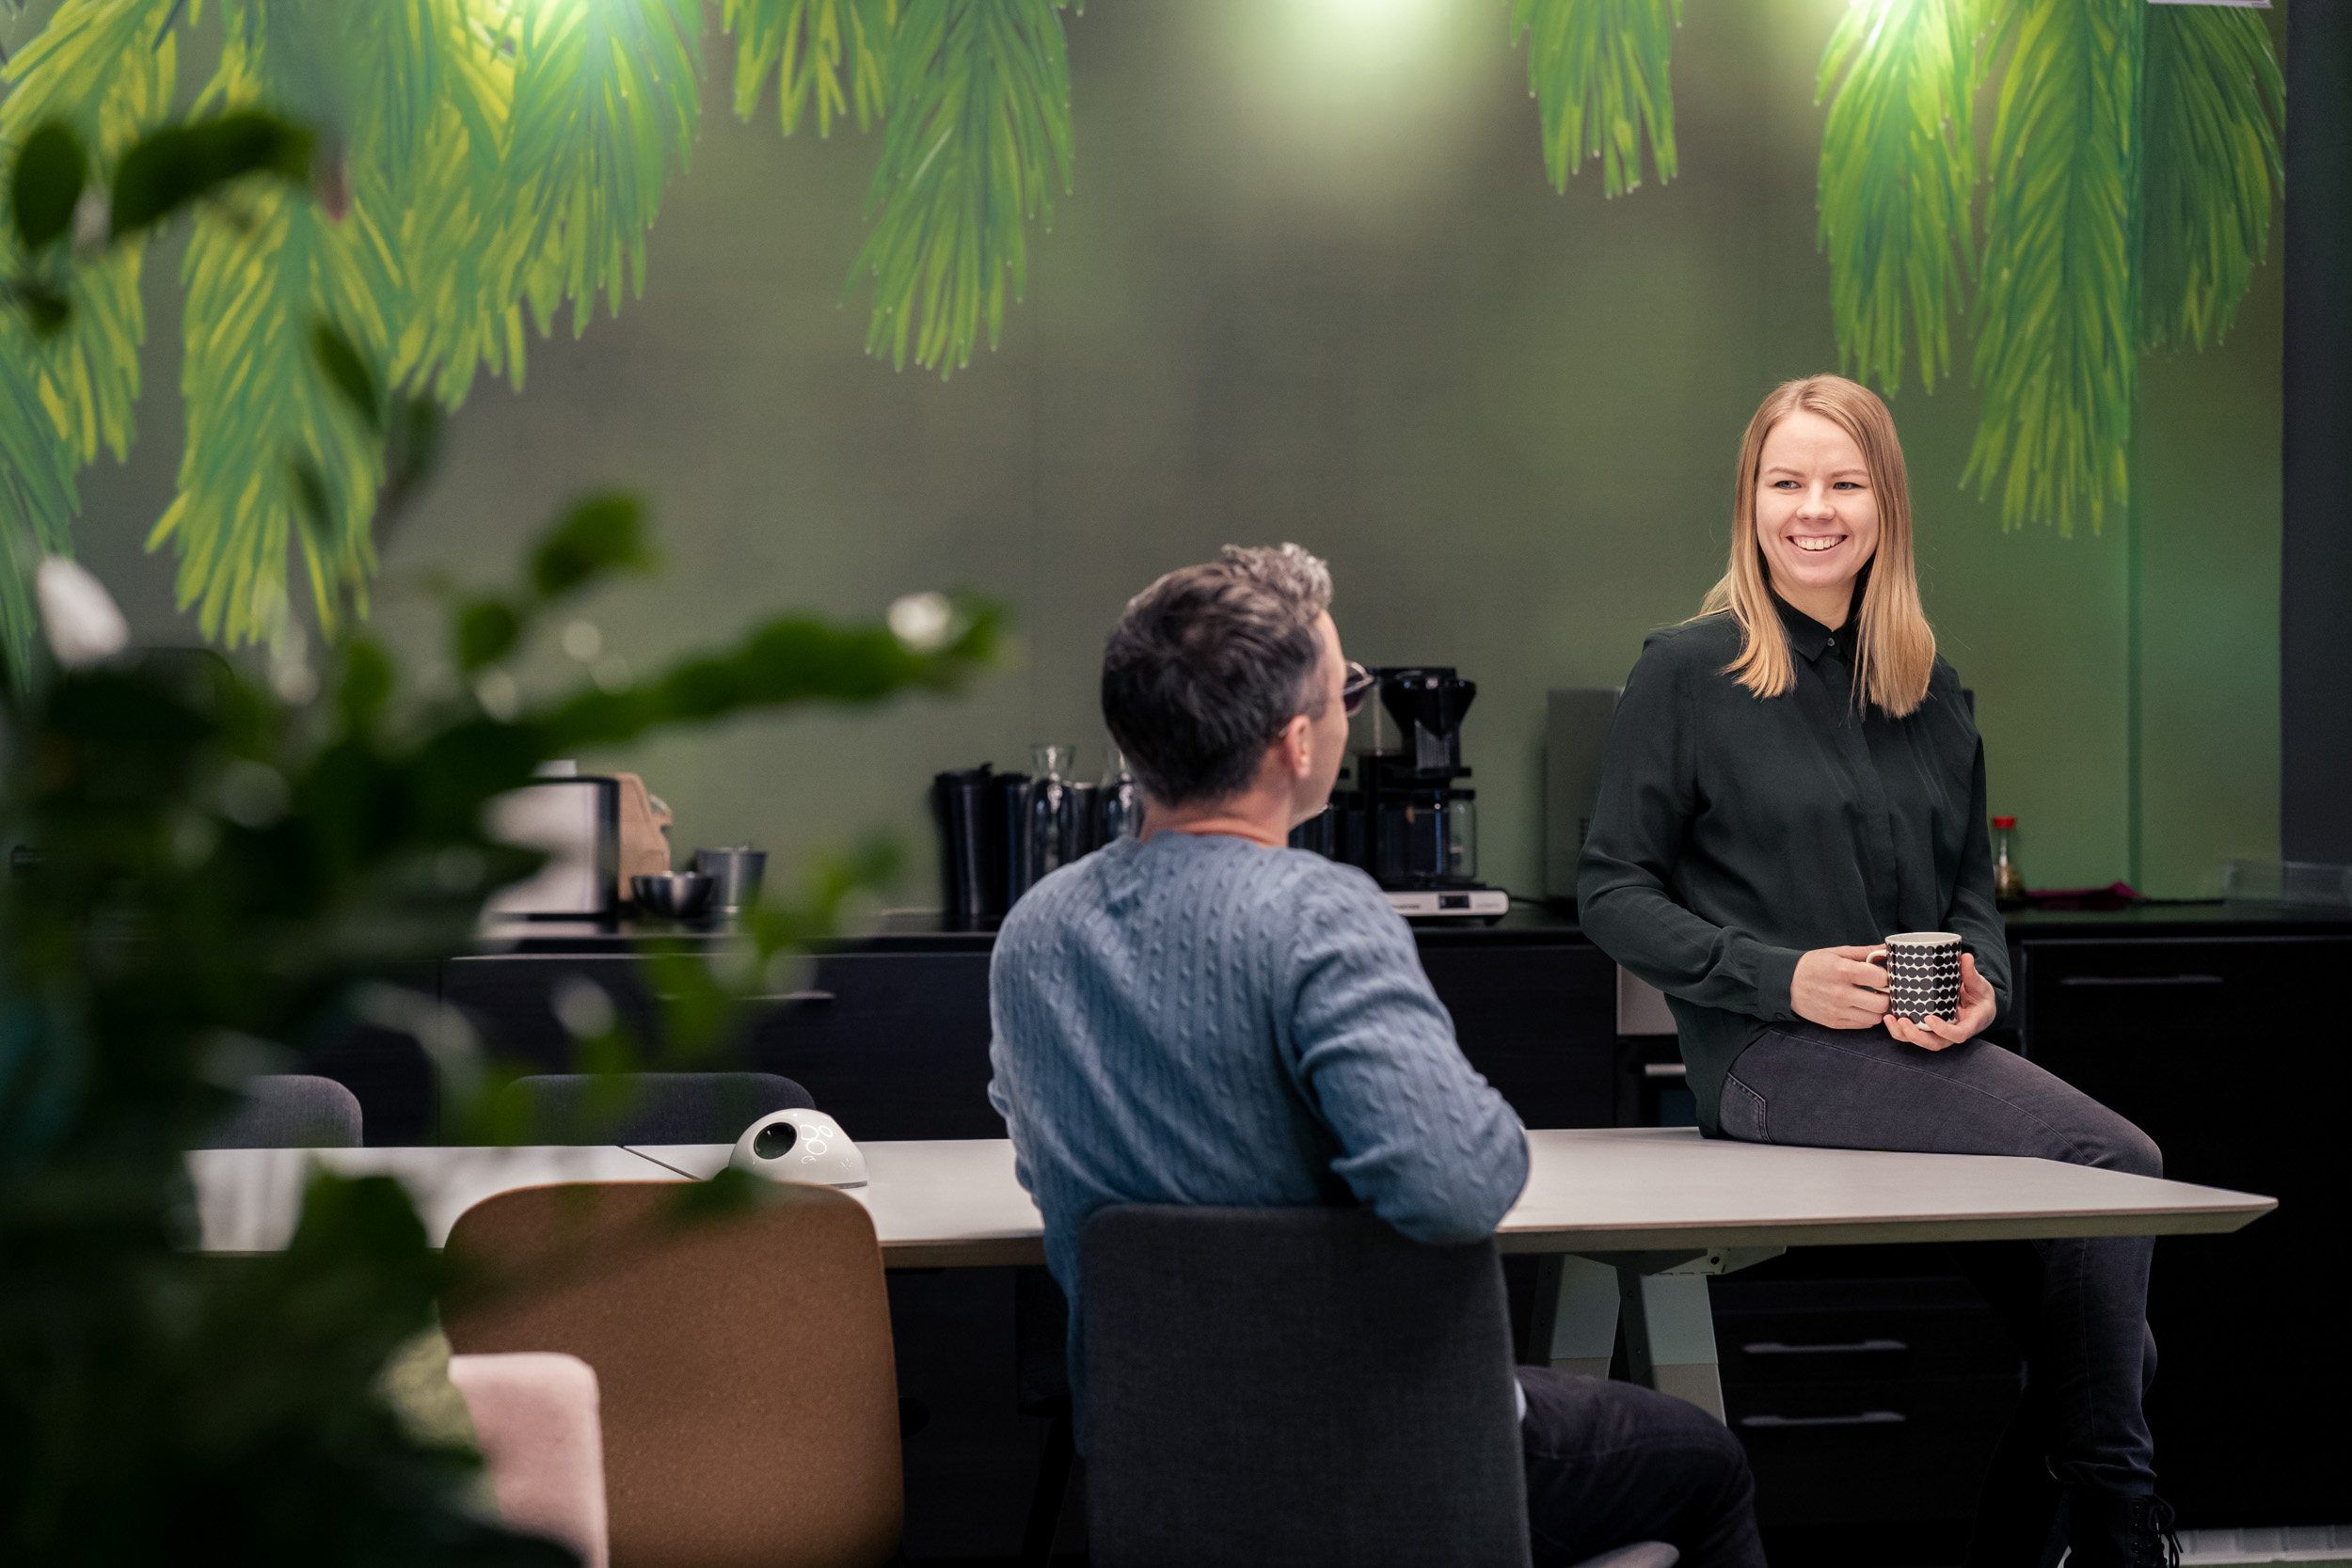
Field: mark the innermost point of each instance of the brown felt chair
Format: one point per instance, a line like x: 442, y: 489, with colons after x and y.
x: 749, y: 1405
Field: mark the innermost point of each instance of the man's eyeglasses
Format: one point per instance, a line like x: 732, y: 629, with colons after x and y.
x: 1359, y: 686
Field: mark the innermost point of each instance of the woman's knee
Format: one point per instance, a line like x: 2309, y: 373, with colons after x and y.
x: 2111, y: 1142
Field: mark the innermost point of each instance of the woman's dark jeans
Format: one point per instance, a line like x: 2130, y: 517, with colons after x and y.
x: 2078, y: 1307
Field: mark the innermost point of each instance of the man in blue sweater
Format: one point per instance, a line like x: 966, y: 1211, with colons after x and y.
x: 1205, y: 1015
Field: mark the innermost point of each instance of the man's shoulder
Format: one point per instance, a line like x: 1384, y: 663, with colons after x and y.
x: 1273, y: 894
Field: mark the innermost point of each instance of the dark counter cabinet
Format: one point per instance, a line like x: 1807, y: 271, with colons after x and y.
x: 2216, y: 1034
x: 2229, y: 1050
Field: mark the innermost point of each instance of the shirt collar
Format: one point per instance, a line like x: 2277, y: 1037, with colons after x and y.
x: 1808, y: 635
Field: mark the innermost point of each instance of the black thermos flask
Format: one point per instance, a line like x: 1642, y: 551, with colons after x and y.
x: 960, y: 797
x: 1014, y: 857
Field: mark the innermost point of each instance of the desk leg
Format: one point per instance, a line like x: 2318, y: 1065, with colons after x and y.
x: 1575, y: 1326
x: 1670, y: 1337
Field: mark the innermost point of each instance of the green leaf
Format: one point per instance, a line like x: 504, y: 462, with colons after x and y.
x: 47, y: 310
x: 2214, y: 101
x: 1896, y: 182
x: 980, y: 135
x: 366, y: 686
x: 1598, y: 70
x: 345, y: 370
x: 412, y: 449
x: 486, y: 630
x: 787, y: 663
x: 804, y: 45
x: 2056, y: 351
x: 46, y: 185
x: 605, y: 102
x: 600, y: 535
x: 169, y: 168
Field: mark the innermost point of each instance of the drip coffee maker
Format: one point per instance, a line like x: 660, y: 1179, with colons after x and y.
x: 1410, y: 820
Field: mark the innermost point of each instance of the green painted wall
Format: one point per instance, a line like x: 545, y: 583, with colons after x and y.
x: 1319, y: 291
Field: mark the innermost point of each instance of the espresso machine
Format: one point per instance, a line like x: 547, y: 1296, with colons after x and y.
x: 1409, y: 821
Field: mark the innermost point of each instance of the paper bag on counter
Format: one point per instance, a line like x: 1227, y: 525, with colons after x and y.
x: 644, y: 830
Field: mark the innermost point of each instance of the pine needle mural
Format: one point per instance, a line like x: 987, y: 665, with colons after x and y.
x: 2073, y: 181
x: 485, y: 170
x: 2127, y: 180
x: 2118, y: 202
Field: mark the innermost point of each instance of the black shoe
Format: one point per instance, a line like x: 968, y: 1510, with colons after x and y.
x: 2108, y: 1531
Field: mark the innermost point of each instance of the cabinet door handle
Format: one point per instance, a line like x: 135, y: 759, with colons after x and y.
x: 1860, y: 1418
x: 1664, y: 1069
x: 2140, y: 980
x: 771, y: 996
x: 1857, y: 1347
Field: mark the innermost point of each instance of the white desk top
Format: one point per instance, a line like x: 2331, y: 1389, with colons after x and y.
x: 956, y: 1203
x: 248, y: 1199
x: 1637, y: 1189
x: 953, y: 1203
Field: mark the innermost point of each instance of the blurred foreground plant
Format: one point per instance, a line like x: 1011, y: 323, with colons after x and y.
x: 213, y: 880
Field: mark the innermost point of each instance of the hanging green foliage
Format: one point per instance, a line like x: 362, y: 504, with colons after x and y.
x: 105, y: 71
x: 2131, y: 166
x: 478, y: 164
x: 979, y: 134
x: 2126, y: 191
x: 805, y: 45
x: 2213, y: 93
x: 1895, y: 209
x: 2057, y: 357
x: 1598, y: 71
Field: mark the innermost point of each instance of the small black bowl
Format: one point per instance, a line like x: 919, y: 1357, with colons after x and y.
x: 672, y: 895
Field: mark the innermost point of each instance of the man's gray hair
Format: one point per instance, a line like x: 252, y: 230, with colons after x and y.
x: 1209, y: 663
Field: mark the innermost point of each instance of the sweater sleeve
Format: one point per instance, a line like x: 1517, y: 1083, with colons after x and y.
x: 1424, y: 1141
x: 1647, y: 799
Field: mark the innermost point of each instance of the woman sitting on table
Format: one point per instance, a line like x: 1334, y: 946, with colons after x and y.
x: 1792, y: 776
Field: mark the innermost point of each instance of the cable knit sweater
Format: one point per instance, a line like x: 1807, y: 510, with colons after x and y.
x: 1199, y: 1019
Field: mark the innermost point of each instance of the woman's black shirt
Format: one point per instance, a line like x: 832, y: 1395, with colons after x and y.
x: 1735, y: 832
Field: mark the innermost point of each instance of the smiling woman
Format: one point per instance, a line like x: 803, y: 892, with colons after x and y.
x: 1821, y: 510
x: 1794, y: 780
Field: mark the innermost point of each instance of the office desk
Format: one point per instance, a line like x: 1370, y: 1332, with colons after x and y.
x: 1628, y: 1220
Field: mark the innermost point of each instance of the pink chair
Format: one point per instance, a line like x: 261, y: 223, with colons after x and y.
x: 535, y: 1414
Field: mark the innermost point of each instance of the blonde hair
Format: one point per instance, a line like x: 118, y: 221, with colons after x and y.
x: 1897, y: 646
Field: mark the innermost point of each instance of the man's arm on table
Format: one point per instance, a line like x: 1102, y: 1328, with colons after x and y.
x: 1425, y: 1142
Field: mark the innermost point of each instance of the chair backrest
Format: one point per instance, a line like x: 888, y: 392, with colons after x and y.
x: 651, y: 1107
x: 291, y: 1110
x: 534, y: 1419
x: 750, y: 1401
x: 1296, y: 1386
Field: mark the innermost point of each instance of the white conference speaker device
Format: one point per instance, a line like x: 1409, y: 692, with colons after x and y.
x: 800, y: 1145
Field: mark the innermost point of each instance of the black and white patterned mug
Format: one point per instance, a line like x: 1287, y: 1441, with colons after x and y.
x: 1922, y: 974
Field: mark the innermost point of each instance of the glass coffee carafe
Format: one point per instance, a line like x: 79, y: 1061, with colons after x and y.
x: 1050, y: 806
x: 1120, y: 802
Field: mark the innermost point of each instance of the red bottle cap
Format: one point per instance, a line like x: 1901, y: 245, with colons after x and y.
x: 2005, y: 822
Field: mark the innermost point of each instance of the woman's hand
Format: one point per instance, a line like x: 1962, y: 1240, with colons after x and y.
x: 1977, y: 1007
x: 1839, y: 988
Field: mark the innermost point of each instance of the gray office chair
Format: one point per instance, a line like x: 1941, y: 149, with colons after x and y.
x: 650, y: 1107
x: 291, y: 1110
x: 1302, y: 1386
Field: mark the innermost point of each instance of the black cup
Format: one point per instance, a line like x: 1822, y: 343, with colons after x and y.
x: 1922, y: 974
